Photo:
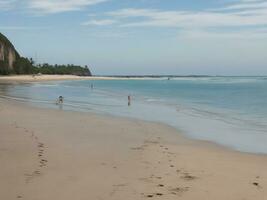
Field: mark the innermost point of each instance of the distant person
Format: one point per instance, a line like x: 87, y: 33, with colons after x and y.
x: 129, y: 100
x: 60, y: 100
x: 92, y: 86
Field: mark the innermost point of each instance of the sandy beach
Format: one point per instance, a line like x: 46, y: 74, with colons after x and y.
x: 31, y: 78
x: 53, y: 154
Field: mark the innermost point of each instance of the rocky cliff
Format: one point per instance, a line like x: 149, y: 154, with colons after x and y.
x: 8, y: 54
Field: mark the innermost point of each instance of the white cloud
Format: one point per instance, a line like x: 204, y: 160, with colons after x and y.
x: 239, y: 34
x: 187, y: 19
x: 22, y: 28
x: 57, y: 6
x: 246, y: 17
x: 100, y: 22
x: 6, y: 4
x: 47, y: 6
x: 243, y: 19
x: 246, y: 5
x: 240, y: 14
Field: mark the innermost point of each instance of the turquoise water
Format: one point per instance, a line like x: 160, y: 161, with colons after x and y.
x: 231, y: 111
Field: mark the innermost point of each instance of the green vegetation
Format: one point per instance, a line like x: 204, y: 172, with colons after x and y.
x: 62, y: 69
x: 27, y: 66
x: 22, y: 66
x: 4, y: 67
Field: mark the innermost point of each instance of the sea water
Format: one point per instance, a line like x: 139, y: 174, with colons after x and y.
x: 231, y: 111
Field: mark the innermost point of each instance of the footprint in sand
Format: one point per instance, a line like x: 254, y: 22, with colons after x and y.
x: 41, y: 145
x: 257, y: 184
x: 137, y: 148
x: 146, y: 180
x: 188, y: 177
x: 43, y: 162
x: 178, y: 190
x: 117, y: 188
x: 151, y: 142
x: 40, y: 154
x: 29, y: 177
x: 37, y: 172
x: 152, y: 195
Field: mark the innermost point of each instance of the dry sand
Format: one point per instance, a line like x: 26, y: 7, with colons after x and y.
x: 59, y: 155
x: 31, y: 78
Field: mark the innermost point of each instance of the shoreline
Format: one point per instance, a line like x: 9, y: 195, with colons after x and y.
x: 86, y: 155
x: 108, y: 116
x: 37, y: 78
x: 47, y: 78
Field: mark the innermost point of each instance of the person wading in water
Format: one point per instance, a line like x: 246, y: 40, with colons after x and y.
x: 60, y: 100
x: 129, y: 100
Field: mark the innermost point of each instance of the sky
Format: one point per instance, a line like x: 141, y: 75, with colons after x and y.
x: 136, y: 37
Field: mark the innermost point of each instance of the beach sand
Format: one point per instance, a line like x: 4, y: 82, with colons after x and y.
x: 31, y: 78
x: 50, y: 154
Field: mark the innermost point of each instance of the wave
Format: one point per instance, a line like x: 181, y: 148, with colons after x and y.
x: 73, y: 103
x: 229, y: 117
x: 222, y: 80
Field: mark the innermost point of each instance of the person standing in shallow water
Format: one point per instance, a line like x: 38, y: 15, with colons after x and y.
x: 129, y: 100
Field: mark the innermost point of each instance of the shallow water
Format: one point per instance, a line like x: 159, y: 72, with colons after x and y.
x: 231, y: 111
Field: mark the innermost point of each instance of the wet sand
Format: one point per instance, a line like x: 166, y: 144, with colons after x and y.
x: 53, y: 154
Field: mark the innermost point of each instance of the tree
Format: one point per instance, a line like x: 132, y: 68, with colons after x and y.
x: 32, y: 62
x: 4, y: 67
x: 23, y: 66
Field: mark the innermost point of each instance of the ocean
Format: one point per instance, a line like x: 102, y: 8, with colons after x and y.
x: 231, y: 111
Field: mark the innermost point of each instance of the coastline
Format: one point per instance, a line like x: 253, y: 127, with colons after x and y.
x: 36, y: 78
x: 85, y: 155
